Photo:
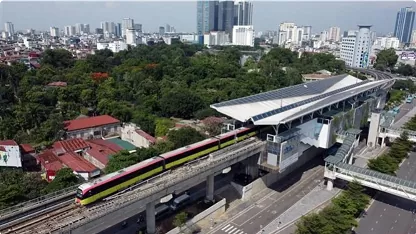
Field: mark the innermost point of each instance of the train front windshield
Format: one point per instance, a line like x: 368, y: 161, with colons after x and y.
x: 79, y: 193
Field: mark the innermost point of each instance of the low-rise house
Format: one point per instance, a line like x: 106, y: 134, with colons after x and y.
x: 79, y: 165
x: 28, y: 155
x: 139, y: 138
x: 92, y: 127
x: 10, y: 154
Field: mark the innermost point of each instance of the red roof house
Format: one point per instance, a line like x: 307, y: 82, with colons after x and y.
x: 70, y: 145
x: 147, y: 136
x: 91, y: 122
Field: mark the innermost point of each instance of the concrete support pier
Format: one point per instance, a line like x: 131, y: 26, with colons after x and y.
x: 210, y: 188
x: 150, y: 218
x: 329, y: 184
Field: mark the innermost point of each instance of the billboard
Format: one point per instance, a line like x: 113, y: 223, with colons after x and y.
x: 289, y: 152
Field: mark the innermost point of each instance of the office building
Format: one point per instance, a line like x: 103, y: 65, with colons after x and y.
x: 138, y: 28
x: 243, y: 13
x: 126, y: 23
x: 386, y: 43
x: 355, y: 49
x: 307, y: 33
x: 216, y: 38
x: 69, y: 30
x: 334, y: 34
x: 413, y: 37
x: 86, y: 29
x: 226, y: 16
x: 167, y: 28
x: 108, y: 27
x: 131, y: 36
x: 54, y: 32
x: 79, y: 28
x: 404, y: 24
x: 9, y: 28
x: 207, y: 20
x: 243, y: 35
x: 291, y: 33
x: 324, y: 36
x: 161, y: 30
x: 117, y: 30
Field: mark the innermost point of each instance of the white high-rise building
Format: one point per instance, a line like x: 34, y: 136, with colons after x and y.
x: 86, y: 29
x: 9, y: 28
x: 108, y: 27
x: 54, y: 32
x: 69, y: 30
x: 79, y: 28
x: 307, y: 33
x: 126, y: 23
x: 324, y: 36
x: 216, y: 38
x: 355, y: 50
x: 334, y: 34
x: 285, y: 32
x: 387, y: 42
x: 131, y: 37
x: 243, y: 35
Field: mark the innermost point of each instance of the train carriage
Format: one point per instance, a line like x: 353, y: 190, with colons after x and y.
x: 111, y: 183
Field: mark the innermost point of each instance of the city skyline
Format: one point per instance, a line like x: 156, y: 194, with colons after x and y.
x: 266, y: 15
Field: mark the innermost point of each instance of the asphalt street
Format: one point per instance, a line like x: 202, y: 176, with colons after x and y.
x: 283, y: 195
x: 390, y: 214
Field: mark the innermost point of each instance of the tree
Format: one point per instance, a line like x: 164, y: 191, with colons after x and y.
x: 386, y: 59
x: 64, y: 178
x: 405, y: 70
x: 184, y: 136
x: 59, y: 58
x: 180, y: 103
x: 162, y: 126
x: 180, y: 219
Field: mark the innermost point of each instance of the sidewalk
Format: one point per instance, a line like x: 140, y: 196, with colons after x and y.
x: 310, y: 202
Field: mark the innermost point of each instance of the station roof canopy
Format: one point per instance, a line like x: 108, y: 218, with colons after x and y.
x: 287, y: 104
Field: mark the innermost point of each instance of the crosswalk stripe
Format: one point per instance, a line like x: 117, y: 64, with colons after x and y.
x: 229, y: 228
x: 225, y: 227
x: 232, y: 230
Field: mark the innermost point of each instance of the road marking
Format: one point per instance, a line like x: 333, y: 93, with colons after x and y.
x: 377, y: 221
x: 225, y: 227
x: 395, y: 221
x: 381, y: 215
x: 271, y: 193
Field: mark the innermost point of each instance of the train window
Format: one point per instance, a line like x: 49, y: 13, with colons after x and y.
x: 79, y: 193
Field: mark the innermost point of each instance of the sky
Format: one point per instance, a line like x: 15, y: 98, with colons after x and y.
x: 182, y: 15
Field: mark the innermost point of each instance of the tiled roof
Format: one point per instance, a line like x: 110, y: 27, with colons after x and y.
x: 108, y: 144
x: 77, y: 163
x: 57, y: 83
x: 101, y: 152
x: 26, y: 148
x: 123, y: 144
x: 146, y: 135
x: 91, y: 122
x: 8, y: 143
x: 50, y: 161
x: 70, y: 145
x: 2, y: 149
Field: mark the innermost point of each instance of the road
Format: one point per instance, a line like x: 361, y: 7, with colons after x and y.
x: 196, y: 192
x: 401, y: 118
x: 390, y: 214
x: 284, y: 194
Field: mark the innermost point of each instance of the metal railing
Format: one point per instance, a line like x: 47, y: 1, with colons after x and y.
x: 176, y: 176
x: 37, y: 201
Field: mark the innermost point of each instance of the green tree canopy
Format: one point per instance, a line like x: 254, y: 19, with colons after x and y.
x: 386, y: 59
x: 184, y: 136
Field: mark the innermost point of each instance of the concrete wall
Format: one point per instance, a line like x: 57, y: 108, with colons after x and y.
x: 86, y: 133
x: 129, y: 134
x: 94, y: 161
x: 267, y: 180
x: 244, y: 191
x: 373, y: 130
x: 215, y: 210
